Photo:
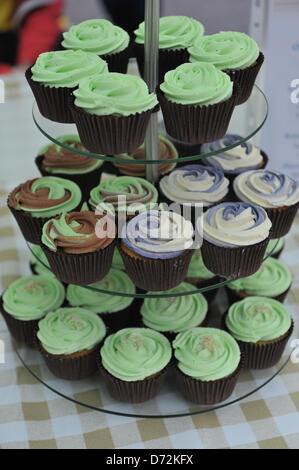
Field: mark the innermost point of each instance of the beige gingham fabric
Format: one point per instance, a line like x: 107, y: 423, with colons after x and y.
x: 33, y: 417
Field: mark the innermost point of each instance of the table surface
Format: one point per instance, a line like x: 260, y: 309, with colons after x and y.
x: 32, y: 416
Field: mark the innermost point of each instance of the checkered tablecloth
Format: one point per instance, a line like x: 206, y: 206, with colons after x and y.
x: 31, y: 416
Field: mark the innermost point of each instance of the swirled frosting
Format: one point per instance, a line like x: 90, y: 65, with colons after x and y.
x: 226, y: 50
x: 175, y: 32
x: 197, y: 84
x: 158, y: 234
x: 99, y: 36
x: 98, y: 302
x: 66, y: 68
x: 257, y: 319
x: 30, y: 298
x: 235, y: 224
x: 174, y: 314
x: 266, y: 188
x: 206, y: 353
x: 114, y: 93
x: 78, y: 232
x: 197, y: 268
x: 37, y: 258
x: 241, y: 158
x: 195, y: 184
x: 117, y: 261
x: 69, y: 330
x: 272, y: 279
x: 139, y: 194
x: 274, y: 246
x: 166, y: 151
x: 57, y: 159
x: 135, y: 353
x: 45, y: 197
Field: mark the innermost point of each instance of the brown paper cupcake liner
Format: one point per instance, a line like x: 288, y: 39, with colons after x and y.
x: 246, y: 78
x: 82, y: 268
x: 197, y: 124
x: 117, y: 62
x: 132, y: 392
x: 207, y: 392
x: 22, y: 331
x: 168, y: 59
x: 31, y: 227
x: 233, y: 262
x: 262, y: 355
x: 282, y: 219
x: 85, y: 181
x: 53, y: 103
x: 236, y: 296
x: 109, y: 135
x: 71, y: 367
x: 156, y: 274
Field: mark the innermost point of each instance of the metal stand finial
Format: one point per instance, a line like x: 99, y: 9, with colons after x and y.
x: 151, y: 64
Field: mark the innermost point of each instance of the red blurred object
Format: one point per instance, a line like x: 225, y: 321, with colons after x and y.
x: 5, y: 69
x: 39, y: 31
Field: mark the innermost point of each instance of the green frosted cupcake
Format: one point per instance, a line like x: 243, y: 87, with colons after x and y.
x: 39, y: 263
x: 273, y: 279
x: 176, y: 34
x: 26, y: 301
x: 199, y: 275
x: 197, y: 101
x: 116, y: 311
x: 69, y: 340
x: 139, y: 193
x: 133, y: 363
x: 70, y: 161
x: 208, y: 364
x: 109, y: 120
x: 117, y: 261
x: 262, y: 327
x: 275, y: 247
x: 233, y: 52
x: 34, y: 202
x: 171, y: 315
x: 55, y: 75
x: 103, y: 38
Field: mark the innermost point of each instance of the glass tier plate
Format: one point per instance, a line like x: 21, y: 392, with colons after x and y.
x: 247, y: 120
x: 143, y: 294
x: 92, y: 393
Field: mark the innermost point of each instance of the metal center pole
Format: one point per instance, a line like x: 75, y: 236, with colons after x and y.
x: 151, y: 64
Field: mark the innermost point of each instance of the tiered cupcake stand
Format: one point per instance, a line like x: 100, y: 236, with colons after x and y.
x: 247, y: 120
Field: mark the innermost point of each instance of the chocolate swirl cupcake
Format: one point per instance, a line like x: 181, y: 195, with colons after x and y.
x: 166, y: 151
x: 68, y: 161
x: 139, y: 194
x: 79, y: 246
x: 277, y: 193
x: 32, y: 203
x: 235, y: 238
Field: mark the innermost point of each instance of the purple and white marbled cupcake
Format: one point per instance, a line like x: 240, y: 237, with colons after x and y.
x: 236, y: 235
x: 156, y: 249
x: 243, y: 157
x: 195, y: 184
x: 277, y: 193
